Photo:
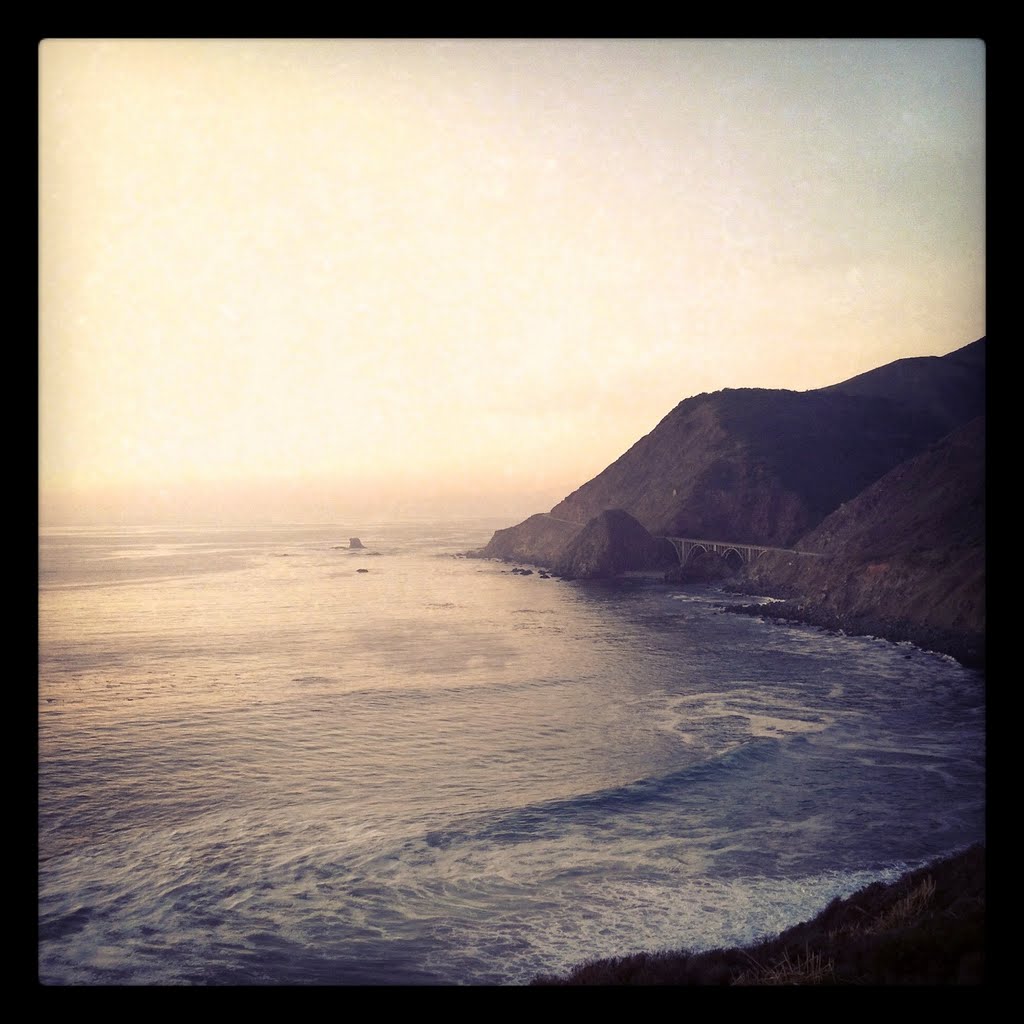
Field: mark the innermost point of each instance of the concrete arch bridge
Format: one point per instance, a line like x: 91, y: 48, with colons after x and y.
x: 735, y: 554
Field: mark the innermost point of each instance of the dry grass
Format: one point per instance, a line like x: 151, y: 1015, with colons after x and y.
x: 906, y: 910
x: 812, y: 968
x: 808, y: 968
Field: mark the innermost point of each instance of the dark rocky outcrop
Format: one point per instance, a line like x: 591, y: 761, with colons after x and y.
x: 756, y: 465
x: 611, y: 543
x: 354, y: 542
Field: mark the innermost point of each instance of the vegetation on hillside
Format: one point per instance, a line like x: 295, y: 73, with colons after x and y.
x: 927, y: 928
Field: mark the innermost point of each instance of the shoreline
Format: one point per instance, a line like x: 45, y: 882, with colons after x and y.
x: 967, y: 649
x: 926, y: 928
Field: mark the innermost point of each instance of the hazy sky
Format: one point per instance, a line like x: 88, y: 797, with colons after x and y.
x: 284, y: 278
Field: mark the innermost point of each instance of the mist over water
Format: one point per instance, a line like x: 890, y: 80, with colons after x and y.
x: 258, y: 765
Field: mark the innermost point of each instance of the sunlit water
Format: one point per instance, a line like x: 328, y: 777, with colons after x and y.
x: 261, y: 766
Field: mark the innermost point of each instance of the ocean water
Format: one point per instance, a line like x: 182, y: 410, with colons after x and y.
x: 258, y: 765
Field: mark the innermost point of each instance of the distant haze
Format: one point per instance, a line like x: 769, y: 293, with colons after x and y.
x: 309, y: 279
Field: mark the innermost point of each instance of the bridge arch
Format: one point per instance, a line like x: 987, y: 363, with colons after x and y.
x: 686, y: 556
x: 734, y: 558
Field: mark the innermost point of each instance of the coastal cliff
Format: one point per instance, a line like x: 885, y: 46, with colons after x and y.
x: 882, y: 473
x: 754, y: 465
x: 766, y: 466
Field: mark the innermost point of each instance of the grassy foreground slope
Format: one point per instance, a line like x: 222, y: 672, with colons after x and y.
x: 927, y: 928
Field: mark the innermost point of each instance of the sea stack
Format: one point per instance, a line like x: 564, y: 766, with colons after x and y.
x: 354, y: 542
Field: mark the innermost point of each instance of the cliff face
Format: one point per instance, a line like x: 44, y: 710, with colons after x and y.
x: 693, y: 476
x: 905, y: 558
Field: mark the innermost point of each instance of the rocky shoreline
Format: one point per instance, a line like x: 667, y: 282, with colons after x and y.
x: 967, y: 648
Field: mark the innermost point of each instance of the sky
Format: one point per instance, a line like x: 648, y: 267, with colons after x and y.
x: 294, y: 280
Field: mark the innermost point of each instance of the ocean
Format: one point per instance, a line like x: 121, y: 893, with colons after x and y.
x: 259, y: 765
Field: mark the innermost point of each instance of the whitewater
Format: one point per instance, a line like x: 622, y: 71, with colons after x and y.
x: 260, y: 766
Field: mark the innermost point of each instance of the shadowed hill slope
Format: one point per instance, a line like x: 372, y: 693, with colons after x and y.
x: 906, y: 557
x: 948, y: 389
x: 884, y: 472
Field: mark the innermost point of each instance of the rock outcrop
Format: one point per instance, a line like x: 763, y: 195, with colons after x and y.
x: 756, y: 465
x: 611, y: 543
x: 539, y: 540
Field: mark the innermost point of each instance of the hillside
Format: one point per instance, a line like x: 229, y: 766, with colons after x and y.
x: 754, y: 465
x: 883, y: 473
x: 949, y: 389
x: 905, y: 558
